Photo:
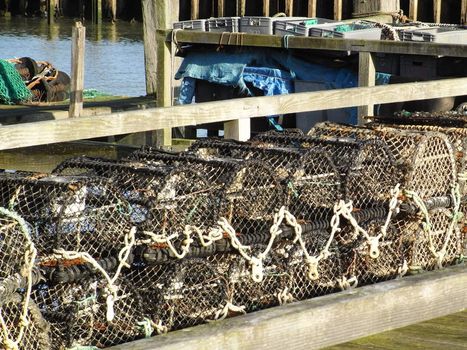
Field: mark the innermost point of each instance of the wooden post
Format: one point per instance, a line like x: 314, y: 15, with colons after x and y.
x: 220, y: 8
x: 22, y: 7
x: 366, y: 77
x: 241, y: 7
x: 311, y: 8
x: 237, y: 129
x: 289, y: 7
x: 194, y: 9
x: 463, y: 12
x: 50, y: 11
x: 98, y: 12
x: 413, y: 10
x: 266, y: 8
x: 338, y: 10
x: 77, y: 70
x: 437, y: 11
x: 163, y: 17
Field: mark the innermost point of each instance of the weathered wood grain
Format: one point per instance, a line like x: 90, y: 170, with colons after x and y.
x: 463, y: 12
x: 299, y: 42
x: 437, y: 10
x: 328, y: 320
x: 78, y: 38
x: 312, y: 8
x: 338, y: 10
x: 413, y: 9
x: 23, y: 135
x: 366, y: 77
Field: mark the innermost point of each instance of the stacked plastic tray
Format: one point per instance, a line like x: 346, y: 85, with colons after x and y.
x: 446, y: 35
x: 299, y: 27
x: 346, y: 31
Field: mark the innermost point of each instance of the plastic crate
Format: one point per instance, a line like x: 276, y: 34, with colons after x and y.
x: 223, y: 24
x: 298, y: 27
x: 197, y: 24
x: 415, y: 66
x: 357, y: 31
x: 260, y: 25
x: 451, y: 35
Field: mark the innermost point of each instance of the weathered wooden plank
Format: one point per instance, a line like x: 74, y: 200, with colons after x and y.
x: 366, y: 77
x: 299, y: 42
x: 328, y: 320
x: 437, y: 10
x: 194, y: 9
x: 23, y: 135
x: 311, y: 8
x: 266, y: 8
x: 338, y: 10
x: 463, y: 12
x: 77, y: 70
x: 413, y: 9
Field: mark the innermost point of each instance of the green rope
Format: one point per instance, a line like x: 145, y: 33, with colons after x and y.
x: 93, y: 93
x: 12, y: 88
x: 311, y: 22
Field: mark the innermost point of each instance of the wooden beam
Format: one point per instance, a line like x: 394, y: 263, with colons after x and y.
x: 413, y: 9
x: 437, y: 10
x: 24, y: 135
x: 289, y: 8
x: 366, y: 77
x: 311, y: 8
x: 266, y: 8
x: 463, y: 12
x: 327, y: 320
x: 194, y: 9
x: 78, y: 38
x: 338, y: 10
x: 98, y: 12
x: 302, y: 42
x: 220, y: 8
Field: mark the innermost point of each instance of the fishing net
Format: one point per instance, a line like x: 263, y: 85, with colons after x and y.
x: 12, y: 88
x: 15, y: 333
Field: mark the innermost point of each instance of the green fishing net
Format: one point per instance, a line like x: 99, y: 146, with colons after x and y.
x: 12, y: 88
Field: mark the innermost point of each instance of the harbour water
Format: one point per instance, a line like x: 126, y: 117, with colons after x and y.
x: 114, y: 61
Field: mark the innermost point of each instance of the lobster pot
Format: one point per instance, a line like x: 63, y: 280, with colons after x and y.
x: 329, y: 269
x: 248, y: 192
x: 422, y: 244
x: 457, y: 137
x: 36, y: 332
x: 181, y: 293
x: 77, y: 313
x: 454, y: 119
x: 358, y: 262
x: 274, y: 288
x: 72, y: 213
x: 426, y: 158
x: 164, y: 199
x: 14, y: 243
x: 310, y: 178
x: 366, y: 167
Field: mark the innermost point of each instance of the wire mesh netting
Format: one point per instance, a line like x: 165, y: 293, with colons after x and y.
x: 103, y: 252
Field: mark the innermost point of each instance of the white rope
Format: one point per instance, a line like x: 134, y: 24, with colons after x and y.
x: 30, y: 255
x: 285, y: 297
x: 346, y: 284
x: 111, y: 288
x: 224, y: 312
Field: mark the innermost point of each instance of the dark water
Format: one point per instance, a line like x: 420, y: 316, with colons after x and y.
x: 114, y: 61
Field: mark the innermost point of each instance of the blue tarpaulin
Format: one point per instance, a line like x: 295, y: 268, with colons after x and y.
x: 271, y: 71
